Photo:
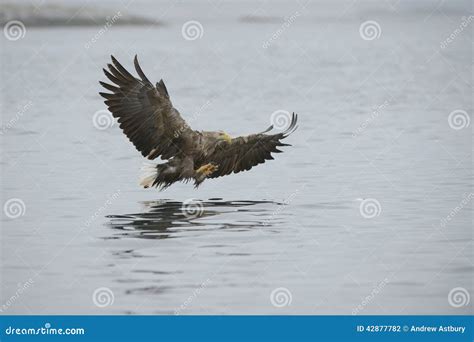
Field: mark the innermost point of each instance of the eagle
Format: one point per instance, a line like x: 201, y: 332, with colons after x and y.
x: 156, y: 129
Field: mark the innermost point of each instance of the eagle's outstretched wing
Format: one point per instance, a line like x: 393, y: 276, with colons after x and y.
x: 243, y: 153
x: 145, y: 112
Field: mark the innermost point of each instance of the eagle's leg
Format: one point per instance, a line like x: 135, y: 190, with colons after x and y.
x: 203, y: 172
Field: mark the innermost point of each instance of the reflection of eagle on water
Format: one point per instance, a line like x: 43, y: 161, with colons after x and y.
x: 156, y: 128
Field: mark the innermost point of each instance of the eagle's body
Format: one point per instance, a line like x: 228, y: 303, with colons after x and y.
x: 156, y: 128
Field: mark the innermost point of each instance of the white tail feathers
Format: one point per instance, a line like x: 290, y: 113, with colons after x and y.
x: 149, y: 174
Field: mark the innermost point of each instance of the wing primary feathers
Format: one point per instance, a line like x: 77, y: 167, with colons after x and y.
x: 162, y: 88
x: 111, y: 77
x: 117, y: 74
x: 292, y: 126
x: 110, y: 87
x: 139, y: 71
x: 267, y: 130
x: 107, y: 96
x: 121, y: 68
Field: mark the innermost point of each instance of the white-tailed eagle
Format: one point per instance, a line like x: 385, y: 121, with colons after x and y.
x: 148, y: 118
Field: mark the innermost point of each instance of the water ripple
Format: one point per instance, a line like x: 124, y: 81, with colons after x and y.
x: 166, y: 218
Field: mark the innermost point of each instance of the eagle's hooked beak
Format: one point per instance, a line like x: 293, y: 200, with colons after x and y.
x: 226, y: 137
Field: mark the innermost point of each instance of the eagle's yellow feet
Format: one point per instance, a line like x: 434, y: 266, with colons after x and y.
x: 207, y: 169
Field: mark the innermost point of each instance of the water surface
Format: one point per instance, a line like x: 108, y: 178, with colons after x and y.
x: 373, y: 125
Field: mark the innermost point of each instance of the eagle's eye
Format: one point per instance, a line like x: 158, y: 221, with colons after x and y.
x: 225, y: 136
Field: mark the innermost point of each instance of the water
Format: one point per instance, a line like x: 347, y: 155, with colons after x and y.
x: 373, y: 125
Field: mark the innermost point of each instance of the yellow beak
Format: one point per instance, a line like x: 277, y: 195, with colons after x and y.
x: 227, y: 137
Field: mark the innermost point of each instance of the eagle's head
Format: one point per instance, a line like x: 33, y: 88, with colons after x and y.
x: 224, y: 136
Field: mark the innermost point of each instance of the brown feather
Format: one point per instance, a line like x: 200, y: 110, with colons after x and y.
x: 144, y: 112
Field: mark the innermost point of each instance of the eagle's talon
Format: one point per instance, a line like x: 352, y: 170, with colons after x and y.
x: 208, y: 169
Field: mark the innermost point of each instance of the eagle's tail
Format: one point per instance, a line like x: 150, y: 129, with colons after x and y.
x: 149, y: 175
x: 158, y: 175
